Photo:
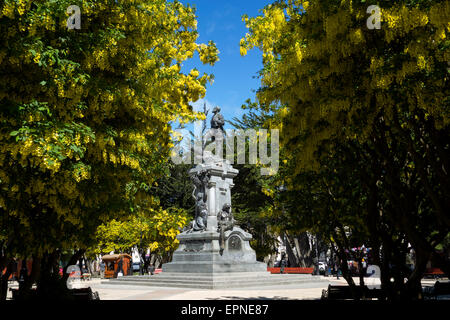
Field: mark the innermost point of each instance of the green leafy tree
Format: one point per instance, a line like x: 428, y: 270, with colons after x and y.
x: 251, y: 195
x: 148, y: 230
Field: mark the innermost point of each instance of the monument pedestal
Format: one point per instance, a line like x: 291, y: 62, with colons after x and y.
x: 200, y: 251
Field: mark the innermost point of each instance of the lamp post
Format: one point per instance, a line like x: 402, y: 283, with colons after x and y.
x: 141, y: 269
x: 317, y: 258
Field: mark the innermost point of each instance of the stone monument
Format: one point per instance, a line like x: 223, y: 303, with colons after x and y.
x: 214, y: 252
x: 213, y: 243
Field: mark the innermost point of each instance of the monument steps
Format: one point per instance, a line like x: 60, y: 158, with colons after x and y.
x: 199, y: 281
x: 195, y: 276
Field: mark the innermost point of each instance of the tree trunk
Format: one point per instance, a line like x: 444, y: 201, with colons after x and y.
x: 304, y: 250
x: 3, y: 262
x: 292, y: 257
x: 346, y: 274
x: 49, y: 284
x: 361, y: 272
x: 4, y: 279
x: 43, y: 282
x: 29, y: 280
x: 414, y: 286
x: 301, y: 263
x: 89, y: 265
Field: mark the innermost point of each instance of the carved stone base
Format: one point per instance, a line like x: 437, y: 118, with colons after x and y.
x: 199, y: 252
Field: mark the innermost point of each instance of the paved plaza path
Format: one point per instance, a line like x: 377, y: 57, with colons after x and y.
x: 307, y: 291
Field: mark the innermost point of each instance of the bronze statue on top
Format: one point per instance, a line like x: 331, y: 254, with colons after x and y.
x: 217, y: 121
x: 216, y: 131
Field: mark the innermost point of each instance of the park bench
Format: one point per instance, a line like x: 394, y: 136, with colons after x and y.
x: 439, y: 289
x: 292, y: 270
x: 442, y: 288
x: 344, y: 293
x: 82, y: 294
x: 15, y: 293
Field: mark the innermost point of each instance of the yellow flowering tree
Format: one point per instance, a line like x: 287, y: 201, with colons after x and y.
x: 366, y: 105
x: 315, y: 51
x: 153, y: 230
x: 86, y: 113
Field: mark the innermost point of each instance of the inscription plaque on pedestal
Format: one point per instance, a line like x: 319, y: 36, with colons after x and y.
x: 234, y: 243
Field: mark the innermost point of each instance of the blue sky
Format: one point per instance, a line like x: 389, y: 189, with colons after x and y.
x: 235, y: 76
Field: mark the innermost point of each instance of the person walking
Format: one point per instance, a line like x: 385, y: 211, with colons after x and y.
x: 152, y: 269
x: 337, y: 267
x: 102, y: 269
x: 120, y: 268
x: 283, y: 263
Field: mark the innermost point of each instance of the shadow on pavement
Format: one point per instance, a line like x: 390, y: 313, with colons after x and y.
x: 250, y: 298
